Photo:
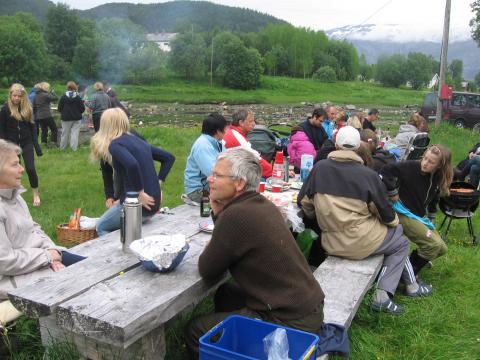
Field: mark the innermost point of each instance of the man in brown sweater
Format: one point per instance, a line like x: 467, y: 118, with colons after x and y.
x: 271, y: 278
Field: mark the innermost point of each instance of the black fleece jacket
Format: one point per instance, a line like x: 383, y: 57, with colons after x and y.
x: 419, y: 192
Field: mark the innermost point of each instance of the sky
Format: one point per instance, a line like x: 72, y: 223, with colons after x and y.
x: 421, y: 15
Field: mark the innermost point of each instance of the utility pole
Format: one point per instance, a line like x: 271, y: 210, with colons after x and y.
x: 211, y: 66
x: 443, y: 60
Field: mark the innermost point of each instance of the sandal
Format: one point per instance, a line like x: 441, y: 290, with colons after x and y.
x: 388, y: 306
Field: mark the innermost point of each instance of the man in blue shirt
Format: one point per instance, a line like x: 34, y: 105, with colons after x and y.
x: 202, y: 158
x: 328, y: 123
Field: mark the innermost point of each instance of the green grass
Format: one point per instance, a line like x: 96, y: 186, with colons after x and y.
x: 272, y: 90
x: 444, y: 326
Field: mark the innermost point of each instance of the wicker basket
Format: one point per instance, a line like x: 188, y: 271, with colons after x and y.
x: 73, y: 236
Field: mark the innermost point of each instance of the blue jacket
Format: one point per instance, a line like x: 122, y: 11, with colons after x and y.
x: 200, y: 162
x: 328, y: 126
x: 132, y: 159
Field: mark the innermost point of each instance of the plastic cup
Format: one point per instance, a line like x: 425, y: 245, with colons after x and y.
x: 261, y: 187
x: 276, y: 188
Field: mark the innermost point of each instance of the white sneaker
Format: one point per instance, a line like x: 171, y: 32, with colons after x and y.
x: 189, y: 201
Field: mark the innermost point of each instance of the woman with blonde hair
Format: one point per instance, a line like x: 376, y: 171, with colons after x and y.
x: 41, y: 107
x: 419, y: 184
x: 17, y: 126
x: 134, y: 171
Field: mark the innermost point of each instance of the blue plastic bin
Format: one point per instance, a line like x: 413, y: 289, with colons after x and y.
x: 239, y: 337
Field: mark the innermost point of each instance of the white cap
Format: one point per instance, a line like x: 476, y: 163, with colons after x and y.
x: 348, y: 138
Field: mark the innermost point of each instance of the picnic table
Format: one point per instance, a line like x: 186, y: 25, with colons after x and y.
x: 111, y: 307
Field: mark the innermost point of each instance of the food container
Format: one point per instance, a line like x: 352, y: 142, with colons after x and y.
x: 160, y: 253
x: 276, y: 188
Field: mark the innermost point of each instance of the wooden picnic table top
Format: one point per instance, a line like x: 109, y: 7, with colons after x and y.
x: 109, y: 296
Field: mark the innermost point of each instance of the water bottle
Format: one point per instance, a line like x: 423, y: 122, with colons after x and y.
x: 285, y: 169
x: 130, y: 221
x: 278, y: 169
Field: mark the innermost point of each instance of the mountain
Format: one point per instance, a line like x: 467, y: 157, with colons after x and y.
x: 38, y: 8
x: 377, y: 40
x: 164, y: 17
x: 169, y: 16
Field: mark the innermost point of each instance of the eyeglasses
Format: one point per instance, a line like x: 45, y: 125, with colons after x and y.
x: 216, y: 176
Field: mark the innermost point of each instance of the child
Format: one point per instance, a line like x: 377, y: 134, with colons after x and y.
x: 418, y: 184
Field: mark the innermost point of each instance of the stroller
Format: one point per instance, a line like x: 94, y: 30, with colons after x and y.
x: 267, y: 140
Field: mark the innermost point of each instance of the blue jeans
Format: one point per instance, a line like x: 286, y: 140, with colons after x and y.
x: 110, y: 220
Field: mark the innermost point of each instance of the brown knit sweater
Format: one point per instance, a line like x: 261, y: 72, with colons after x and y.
x: 252, y: 241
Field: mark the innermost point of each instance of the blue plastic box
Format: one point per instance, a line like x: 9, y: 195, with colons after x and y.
x: 239, y: 337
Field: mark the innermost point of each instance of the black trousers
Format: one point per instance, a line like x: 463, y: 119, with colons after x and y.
x: 96, y: 121
x: 29, y: 160
x: 46, y: 124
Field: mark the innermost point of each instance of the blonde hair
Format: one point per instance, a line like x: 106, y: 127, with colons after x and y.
x: 445, y: 169
x: 45, y: 86
x: 7, y: 148
x: 22, y: 112
x: 98, y: 86
x: 113, y: 124
x: 341, y: 117
x: 418, y: 121
x: 355, y: 122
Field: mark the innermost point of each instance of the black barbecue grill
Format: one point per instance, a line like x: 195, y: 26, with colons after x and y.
x: 460, y: 205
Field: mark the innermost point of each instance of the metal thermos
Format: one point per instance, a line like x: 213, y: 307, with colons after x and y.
x: 285, y: 169
x: 131, y: 221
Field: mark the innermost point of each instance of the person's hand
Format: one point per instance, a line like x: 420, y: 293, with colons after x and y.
x: 216, y: 206
x: 394, y: 198
x: 55, y: 254
x: 291, y: 174
x: 57, y: 266
x: 146, y: 200
x: 109, y: 202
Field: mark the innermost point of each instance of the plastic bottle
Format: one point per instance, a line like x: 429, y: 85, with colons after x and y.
x: 131, y: 221
x: 278, y: 172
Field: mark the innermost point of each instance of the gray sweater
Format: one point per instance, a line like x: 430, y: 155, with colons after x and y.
x: 100, y: 102
x: 23, y: 245
x: 41, y: 104
x: 405, y: 133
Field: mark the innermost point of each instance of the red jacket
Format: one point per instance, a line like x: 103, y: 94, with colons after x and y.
x: 236, y: 137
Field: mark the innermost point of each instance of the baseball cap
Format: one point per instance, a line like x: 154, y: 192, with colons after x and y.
x: 348, y: 138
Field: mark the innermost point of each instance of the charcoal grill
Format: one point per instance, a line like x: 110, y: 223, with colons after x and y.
x: 460, y: 205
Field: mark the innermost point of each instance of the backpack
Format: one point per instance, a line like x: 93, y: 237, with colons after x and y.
x: 264, y: 141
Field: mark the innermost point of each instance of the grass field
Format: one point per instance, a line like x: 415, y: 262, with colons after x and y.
x: 272, y: 90
x: 444, y: 326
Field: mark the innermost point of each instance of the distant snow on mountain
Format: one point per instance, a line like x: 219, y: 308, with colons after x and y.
x: 396, y: 33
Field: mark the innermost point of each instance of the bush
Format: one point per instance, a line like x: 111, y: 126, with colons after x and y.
x: 242, y: 67
x: 325, y: 74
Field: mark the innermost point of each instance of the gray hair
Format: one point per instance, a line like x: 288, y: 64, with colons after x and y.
x: 6, y: 148
x: 240, y: 115
x: 244, y: 165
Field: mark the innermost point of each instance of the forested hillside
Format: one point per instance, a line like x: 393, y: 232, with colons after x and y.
x: 38, y: 8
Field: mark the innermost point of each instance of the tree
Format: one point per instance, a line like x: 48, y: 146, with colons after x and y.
x: 23, y: 54
x: 477, y: 80
x: 391, y: 71
x: 62, y: 31
x: 325, y: 74
x: 456, y: 69
x: 85, y: 60
x: 419, y: 69
x: 475, y: 22
x: 242, y: 67
x: 347, y: 59
x: 187, y: 56
x: 365, y: 70
x: 276, y: 61
x: 146, y: 66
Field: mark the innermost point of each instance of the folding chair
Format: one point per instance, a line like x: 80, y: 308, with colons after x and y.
x: 416, y: 146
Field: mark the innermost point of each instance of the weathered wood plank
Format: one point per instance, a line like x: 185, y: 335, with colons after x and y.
x: 125, y: 308
x: 105, y: 260
x: 150, y: 347
x: 345, y: 283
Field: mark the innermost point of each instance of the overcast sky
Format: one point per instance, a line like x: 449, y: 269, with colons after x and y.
x: 324, y: 15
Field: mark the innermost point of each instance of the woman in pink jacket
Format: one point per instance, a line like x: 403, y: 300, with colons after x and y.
x: 299, y: 145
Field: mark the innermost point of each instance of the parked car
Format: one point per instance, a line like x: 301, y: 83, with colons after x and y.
x: 462, y: 110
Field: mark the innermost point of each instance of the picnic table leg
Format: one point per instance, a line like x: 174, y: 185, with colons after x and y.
x: 151, y: 346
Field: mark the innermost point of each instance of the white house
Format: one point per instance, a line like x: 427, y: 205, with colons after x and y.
x: 162, y: 39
